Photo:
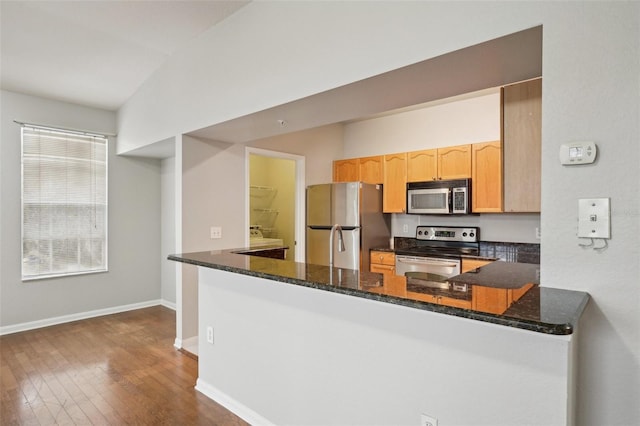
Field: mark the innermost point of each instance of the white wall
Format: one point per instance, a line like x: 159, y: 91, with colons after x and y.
x: 591, y: 64
x: 320, y: 146
x: 213, y: 194
x: 134, y: 224
x: 459, y: 121
x: 302, y: 356
x: 168, y: 233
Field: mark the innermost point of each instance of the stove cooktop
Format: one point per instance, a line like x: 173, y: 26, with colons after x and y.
x: 438, y: 251
x: 436, y: 241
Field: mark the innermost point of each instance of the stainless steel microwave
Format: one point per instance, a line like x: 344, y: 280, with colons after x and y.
x: 439, y: 197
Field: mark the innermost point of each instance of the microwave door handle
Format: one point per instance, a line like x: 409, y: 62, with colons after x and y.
x: 450, y: 196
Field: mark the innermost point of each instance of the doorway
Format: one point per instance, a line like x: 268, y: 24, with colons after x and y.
x: 275, y: 201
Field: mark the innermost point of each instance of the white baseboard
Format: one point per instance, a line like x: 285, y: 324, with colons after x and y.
x: 240, y: 410
x: 32, y: 325
x: 177, y: 343
x: 191, y: 344
x: 167, y: 304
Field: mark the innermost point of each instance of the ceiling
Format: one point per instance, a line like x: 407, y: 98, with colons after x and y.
x: 96, y: 53
x: 470, y: 71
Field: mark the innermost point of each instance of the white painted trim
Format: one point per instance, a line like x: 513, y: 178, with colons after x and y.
x: 168, y: 304
x: 32, y: 325
x: 240, y: 410
x: 191, y: 345
x: 177, y: 175
x: 300, y: 234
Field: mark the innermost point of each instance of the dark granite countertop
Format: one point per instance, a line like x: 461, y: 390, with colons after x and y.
x: 543, y: 310
x: 501, y: 274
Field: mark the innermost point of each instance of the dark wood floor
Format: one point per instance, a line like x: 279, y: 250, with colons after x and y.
x: 112, y: 370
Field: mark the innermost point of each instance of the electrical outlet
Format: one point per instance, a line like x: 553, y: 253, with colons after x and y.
x: 405, y: 228
x: 210, y: 334
x: 426, y: 420
x: 216, y: 232
x: 538, y: 233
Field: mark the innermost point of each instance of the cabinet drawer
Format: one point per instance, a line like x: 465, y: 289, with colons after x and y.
x: 383, y: 257
x: 382, y: 269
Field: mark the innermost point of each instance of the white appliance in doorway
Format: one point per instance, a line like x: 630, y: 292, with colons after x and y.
x: 257, y: 239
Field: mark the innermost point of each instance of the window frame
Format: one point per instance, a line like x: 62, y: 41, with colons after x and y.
x: 50, y: 274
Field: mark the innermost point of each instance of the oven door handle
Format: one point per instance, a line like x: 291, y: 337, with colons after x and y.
x: 426, y: 262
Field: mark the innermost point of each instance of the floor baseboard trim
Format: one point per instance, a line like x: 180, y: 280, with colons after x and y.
x: 240, y: 410
x: 168, y: 304
x: 32, y: 325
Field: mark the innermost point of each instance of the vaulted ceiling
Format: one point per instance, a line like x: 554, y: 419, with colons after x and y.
x: 96, y: 53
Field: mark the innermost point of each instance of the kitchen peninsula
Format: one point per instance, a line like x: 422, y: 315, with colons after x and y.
x: 300, y: 343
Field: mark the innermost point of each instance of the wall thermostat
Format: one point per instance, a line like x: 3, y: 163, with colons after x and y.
x: 576, y: 153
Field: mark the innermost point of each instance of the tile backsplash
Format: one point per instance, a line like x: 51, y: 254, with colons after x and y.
x: 511, y: 252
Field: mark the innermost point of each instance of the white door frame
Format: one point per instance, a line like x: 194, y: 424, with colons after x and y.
x: 299, y: 233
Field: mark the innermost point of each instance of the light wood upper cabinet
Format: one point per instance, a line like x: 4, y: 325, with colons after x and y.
x: 394, y: 190
x: 522, y: 136
x: 486, y: 167
x: 346, y: 170
x: 422, y: 166
x: 454, y: 162
x: 371, y: 169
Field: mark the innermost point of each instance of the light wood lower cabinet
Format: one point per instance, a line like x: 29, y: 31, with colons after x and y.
x: 483, y: 299
x: 440, y: 300
x: 489, y: 299
x: 469, y: 264
x: 384, y: 262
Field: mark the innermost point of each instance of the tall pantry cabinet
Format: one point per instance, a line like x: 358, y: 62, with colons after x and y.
x: 522, y: 145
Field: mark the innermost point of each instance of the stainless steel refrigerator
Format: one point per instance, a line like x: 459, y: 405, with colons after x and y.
x: 357, y: 208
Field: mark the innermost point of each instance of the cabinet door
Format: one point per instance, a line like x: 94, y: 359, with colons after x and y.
x: 371, y: 169
x: 382, y: 269
x: 469, y: 264
x: 486, y: 179
x: 346, y: 170
x: 394, y: 191
x: 454, y: 162
x: 456, y: 303
x: 522, y: 136
x: 383, y: 258
x: 490, y: 300
x: 422, y: 166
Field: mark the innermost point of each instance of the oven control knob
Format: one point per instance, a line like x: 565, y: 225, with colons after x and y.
x: 419, y: 232
x: 472, y: 234
x: 464, y: 234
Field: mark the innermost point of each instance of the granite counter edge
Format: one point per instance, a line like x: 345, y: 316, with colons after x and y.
x: 565, y: 328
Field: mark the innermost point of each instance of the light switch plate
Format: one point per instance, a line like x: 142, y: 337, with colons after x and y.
x: 594, y: 218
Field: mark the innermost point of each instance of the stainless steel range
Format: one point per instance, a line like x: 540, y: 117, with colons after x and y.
x: 436, y: 256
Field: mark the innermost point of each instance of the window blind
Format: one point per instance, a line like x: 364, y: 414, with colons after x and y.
x: 64, y: 203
